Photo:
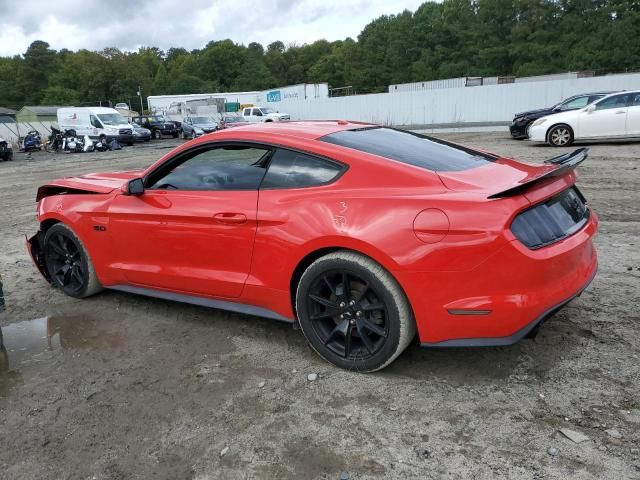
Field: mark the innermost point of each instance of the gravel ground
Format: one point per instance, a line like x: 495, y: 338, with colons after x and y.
x: 119, y: 386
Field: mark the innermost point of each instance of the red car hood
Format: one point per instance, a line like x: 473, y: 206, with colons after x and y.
x: 97, y: 182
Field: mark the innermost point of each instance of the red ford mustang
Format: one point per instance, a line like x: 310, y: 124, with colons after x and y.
x: 362, y: 234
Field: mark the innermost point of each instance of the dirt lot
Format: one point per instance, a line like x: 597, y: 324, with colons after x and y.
x: 119, y: 386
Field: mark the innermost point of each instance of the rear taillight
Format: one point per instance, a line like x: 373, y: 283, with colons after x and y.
x: 553, y: 220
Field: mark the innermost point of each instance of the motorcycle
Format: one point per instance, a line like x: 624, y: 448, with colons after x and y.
x: 31, y: 142
x: 55, y: 140
x: 71, y: 143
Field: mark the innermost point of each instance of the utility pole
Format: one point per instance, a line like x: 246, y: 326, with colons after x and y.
x: 141, y: 105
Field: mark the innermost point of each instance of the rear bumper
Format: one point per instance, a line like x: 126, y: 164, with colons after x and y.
x: 527, y: 331
x: 504, y: 298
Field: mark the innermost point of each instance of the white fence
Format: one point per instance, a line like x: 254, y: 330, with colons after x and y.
x: 453, y: 107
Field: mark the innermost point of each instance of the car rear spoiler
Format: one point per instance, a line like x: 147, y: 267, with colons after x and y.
x: 565, y: 163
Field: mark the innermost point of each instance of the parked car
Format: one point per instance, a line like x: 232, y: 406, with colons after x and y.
x: 613, y: 117
x: 193, y: 127
x: 358, y: 233
x: 6, y: 150
x: 232, y: 120
x: 140, y: 134
x: 121, y: 106
x: 99, y: 123
x: 263, y: 114
x: 158, y: 125
x: 522, y: 120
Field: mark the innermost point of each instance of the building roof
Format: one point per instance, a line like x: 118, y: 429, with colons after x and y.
x: 41, y: 110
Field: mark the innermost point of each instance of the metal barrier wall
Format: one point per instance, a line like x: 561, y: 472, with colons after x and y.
x: 9, y: 131
x: 453, y: 107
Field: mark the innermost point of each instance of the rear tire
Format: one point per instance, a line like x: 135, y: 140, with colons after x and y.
x: 68, y: 264
x: 560, y: 136
x: 157, y: 134
x: 353, y: 313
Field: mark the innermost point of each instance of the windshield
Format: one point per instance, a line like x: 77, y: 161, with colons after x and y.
x: 202, y: 120
x: 267, y: 110
x: 112, y: 119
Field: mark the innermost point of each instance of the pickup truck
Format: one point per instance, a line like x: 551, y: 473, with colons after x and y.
x: 158, y: 125
x: 263, y: 114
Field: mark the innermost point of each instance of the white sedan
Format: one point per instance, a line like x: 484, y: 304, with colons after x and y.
x: 614, y: 117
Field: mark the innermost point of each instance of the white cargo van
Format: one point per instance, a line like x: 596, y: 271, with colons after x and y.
x: 97, y: 122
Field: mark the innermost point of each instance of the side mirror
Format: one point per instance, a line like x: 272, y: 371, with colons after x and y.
x: 590, y: 108
x: 135, y: 187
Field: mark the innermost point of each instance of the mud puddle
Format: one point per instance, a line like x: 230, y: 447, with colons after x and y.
x: 21, y: 342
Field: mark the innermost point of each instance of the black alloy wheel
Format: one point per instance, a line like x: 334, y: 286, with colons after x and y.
x: 352, y: 311
x: 64, y: 262
x: 347, y: 315
x: 68, y: 263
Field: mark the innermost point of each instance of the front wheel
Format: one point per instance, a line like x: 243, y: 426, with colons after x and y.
x: 560, y: 136
x: 353, y: 312
x: 68, y: 263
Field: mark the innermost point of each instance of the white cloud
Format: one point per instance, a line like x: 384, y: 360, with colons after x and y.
x: 126, y: 24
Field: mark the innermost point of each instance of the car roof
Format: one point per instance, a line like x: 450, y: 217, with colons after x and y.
x: 309, y: 129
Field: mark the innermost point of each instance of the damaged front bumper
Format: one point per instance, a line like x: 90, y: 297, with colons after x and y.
x: 35, y: 247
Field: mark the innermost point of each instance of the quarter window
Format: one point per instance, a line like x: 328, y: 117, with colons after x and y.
x: 221, y: 168
x: 290, y: 169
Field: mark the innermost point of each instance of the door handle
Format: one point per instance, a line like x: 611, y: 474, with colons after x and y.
x: 230, y: 218
x: 620, y: 111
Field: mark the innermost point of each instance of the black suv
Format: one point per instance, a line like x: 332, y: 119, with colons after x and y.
x: 522, y: 120
x: 158, y: 125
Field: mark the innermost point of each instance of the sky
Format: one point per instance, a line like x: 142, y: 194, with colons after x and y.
x: 129, y: 24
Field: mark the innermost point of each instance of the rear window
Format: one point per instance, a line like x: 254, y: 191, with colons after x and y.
x: 412, y: 148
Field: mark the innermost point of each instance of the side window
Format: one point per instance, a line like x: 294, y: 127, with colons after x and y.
x: 617, y: 101
x: 247, y: 112
x: 575, y: 103
x: 635, y: 100
x: 289, y: 169
x: 257, y: 112
x: 95, y: 122
x: 219, y: 168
